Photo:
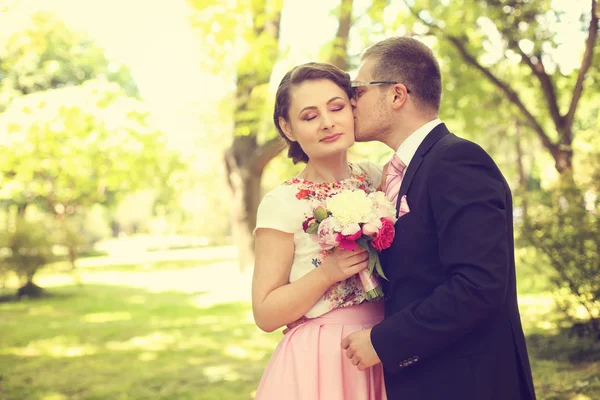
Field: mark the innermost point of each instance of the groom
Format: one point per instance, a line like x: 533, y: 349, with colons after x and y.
x: 452, y: 328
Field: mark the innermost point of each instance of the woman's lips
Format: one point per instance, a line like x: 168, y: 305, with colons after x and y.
x: 331, y: 138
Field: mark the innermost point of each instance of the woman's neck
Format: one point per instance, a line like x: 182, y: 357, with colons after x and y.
x: 330, y: 169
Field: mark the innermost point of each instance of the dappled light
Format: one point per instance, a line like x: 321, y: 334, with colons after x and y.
x: 58, y: 347
x: 137, y: 140
x: 106, y: 317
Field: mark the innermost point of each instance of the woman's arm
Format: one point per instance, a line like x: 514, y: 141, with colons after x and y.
x: 275, y: 301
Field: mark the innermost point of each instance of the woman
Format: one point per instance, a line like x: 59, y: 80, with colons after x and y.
x: 293, y: 278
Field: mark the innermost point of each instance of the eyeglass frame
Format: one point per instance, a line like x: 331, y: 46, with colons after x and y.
x: 357, y: 84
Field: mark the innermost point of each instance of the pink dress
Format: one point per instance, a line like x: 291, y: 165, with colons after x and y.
x: 309, y: 363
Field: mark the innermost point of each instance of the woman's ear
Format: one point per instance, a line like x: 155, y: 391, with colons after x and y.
x: 287, y: 129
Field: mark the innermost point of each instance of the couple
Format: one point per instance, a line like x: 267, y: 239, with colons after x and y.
x: 449, y: 325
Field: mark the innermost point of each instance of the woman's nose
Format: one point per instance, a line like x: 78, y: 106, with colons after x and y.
x: 327, y: 121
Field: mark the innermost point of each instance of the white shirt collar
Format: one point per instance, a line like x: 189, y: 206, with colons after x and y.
x: 409, y: 147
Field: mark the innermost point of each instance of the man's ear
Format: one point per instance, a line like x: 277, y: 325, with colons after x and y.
x: 400, y: 96
x: 287, y: 129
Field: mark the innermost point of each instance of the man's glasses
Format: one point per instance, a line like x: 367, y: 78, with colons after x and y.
x: 356, y: 84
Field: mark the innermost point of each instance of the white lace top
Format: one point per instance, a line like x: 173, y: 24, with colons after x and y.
x: 289, y: 204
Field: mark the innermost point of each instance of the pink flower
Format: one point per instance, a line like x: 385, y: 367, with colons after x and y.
x: 385, y: 236
x: 327, y: 235
x: 349, y: 242
x: 371, y: 229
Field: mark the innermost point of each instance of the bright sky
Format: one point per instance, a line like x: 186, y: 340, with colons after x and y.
x: 154, y: 38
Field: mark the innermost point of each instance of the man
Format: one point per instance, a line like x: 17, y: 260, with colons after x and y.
x: 452, y: 328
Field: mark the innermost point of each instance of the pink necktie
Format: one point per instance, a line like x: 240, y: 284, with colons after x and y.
x: 393, y: 178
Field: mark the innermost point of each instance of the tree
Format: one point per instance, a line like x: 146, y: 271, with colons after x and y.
x: 258, y: 26
x: 523, y: 31
x: 67, y: 148
x: 48, y: 55
x: 255, y: 143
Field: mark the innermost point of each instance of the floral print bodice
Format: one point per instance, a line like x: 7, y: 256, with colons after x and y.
x: 287, y: 206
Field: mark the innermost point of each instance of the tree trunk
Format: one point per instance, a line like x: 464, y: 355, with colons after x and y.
x: 246, y: 159
x: 339, y: 56
x: 244, y: 182
x: 31, y: 290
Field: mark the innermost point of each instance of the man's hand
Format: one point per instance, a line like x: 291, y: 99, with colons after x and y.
x: 294, y: 324
x: 360, y: 350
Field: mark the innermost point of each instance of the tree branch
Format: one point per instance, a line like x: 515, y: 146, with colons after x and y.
x: 548, y: 89
x: 512, y: 96
x: 585, y: 64
x: 266, y: 153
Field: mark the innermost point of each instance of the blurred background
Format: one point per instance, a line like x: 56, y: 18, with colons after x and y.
x: 136, y: 142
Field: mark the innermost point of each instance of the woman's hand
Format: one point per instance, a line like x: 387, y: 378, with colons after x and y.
x: 341, y: 264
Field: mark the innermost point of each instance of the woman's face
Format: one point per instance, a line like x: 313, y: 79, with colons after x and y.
x: 320, y: 118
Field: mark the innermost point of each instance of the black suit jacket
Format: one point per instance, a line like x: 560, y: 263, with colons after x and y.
x: 452, y: 328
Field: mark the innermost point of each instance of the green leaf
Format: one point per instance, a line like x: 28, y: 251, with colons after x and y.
x: 362, y: 242
x: 312, y: 229
x: 378, y: 267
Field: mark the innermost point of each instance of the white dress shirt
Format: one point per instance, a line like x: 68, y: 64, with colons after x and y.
x: 409, y: 147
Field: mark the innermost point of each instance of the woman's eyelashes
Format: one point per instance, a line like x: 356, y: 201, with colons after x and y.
x: 335, y: 108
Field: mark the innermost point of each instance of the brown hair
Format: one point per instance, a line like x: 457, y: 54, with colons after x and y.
x: 410, y: 62
x: 301, y: 73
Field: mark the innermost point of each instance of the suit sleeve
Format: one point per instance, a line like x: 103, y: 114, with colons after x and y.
x: 468, y: 200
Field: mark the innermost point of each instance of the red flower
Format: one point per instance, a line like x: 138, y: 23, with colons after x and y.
x: 349, y: 242
x: 302, y: 194
x: 385, y: 237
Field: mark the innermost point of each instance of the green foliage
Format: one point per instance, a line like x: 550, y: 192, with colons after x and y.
x: 505, y: 63
x: 78, y: 146
x: 47, y: 55
x: 564, y: 226
x: 28, y: 248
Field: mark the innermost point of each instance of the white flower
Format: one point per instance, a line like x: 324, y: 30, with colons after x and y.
x: 383, y: 207
x: 350, y: 207
x: 350, y: 229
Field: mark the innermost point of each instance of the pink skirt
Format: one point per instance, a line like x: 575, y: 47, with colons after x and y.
x: 310, y: 364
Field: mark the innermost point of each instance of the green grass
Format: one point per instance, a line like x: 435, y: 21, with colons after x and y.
x: 112, y: 341
x: 115, y: 342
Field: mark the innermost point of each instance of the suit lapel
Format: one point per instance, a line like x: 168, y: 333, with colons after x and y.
x: 436, y: 134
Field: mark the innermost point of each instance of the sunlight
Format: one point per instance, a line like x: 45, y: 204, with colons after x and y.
x: 54, y: 396
x: 51, y: 347
x: 220, y: 373
x: 148, y: 356
x: 107, y: 317
x: 236, y: 352
x: 153, y: 341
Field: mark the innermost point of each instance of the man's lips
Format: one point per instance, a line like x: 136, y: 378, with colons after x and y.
x: 331, y: 138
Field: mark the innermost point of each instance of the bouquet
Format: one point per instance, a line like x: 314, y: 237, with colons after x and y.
x: 350, y: 219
